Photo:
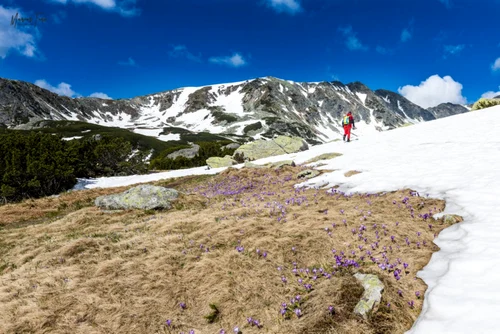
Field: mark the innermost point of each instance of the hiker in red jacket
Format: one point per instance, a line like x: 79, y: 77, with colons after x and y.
x: 348, y: 123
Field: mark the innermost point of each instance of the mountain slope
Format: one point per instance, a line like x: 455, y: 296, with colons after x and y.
x: 262, y: 107
x: 447, y: 109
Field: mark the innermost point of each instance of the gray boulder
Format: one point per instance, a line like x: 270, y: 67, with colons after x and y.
x: 185, y: 152
x: 144, y: 197
x: 216, y: 162
x: 372, y: 295
x: 308, y: 174
x: 268, y: 148
x: 291, y: 144
x: 231, y: 146
x: 281, y: 164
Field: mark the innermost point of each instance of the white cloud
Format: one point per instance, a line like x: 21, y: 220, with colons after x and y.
x: 405, y: 35
x: 61, y: 89
x: 182, y: 51
x: 123, y: 7
x: 100, y: 96
x: 433, y: 91
x: 491, y: 94
x: 129, y: 62
x: 352, y: 42
x: 288, y: 6
x: 453, y: 49
x: 15, y: 38
x: 236, y: 60
x: 496, y: 65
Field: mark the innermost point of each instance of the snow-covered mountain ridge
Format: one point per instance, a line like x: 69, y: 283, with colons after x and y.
x: 261, y: 107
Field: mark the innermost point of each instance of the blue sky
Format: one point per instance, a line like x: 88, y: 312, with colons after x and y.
x: 431, y: 51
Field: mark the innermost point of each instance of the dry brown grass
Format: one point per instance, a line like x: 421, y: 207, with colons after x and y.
x: 351, y: 173
x: 126, y: 272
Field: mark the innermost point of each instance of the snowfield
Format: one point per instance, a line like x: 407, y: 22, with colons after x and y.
x: 456, y: 159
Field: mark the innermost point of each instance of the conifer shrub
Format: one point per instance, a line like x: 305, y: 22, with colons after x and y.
x: 35, y: 164
x: 207, y: 150
x: 485, y: 103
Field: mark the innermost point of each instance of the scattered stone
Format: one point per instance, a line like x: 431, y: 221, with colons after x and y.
x: 281, y: 164
x: 452, y: 219
x: 372, y: 295
x: 308, y: 174
x: 325, y: 156
x: 143, y: 197
x: 217, y: 162
x: 185, y: 152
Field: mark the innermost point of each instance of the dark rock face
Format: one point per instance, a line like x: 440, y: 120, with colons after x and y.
x: 404, y: 108
x: 312, y: 111
x: 447, y: 109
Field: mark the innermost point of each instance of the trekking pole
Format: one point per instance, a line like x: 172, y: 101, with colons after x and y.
x: 352, y: 133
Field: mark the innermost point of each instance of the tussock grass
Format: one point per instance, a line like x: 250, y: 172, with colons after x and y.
x: 88, y: 271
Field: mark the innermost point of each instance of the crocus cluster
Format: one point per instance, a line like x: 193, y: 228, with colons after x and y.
x: 254, y: 322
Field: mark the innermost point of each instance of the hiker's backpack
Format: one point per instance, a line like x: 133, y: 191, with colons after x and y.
x: 346, y: 120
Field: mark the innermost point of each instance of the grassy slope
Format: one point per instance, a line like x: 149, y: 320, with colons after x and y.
x: 86, y: 271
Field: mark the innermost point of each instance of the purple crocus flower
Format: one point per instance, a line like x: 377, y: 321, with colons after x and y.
x: 331, y: 310
x: 183, y: 306
x: 298, y: 312
x: 222, y: 331
x: 169, y: 322
x: 236, y: 329
x: 417, y: 294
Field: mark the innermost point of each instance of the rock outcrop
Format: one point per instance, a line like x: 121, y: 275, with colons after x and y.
x: 372, y: 295
x: 144, y: 197
x: 267, y: 148
x: 185, y: 152
x: 308, y: 174
x: 217, y: 162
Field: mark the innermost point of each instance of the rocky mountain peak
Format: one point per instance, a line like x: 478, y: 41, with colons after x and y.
x: 260, y: 107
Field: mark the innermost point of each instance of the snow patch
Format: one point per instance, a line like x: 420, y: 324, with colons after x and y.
x: 362, y: 97
x: 72, y: 138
